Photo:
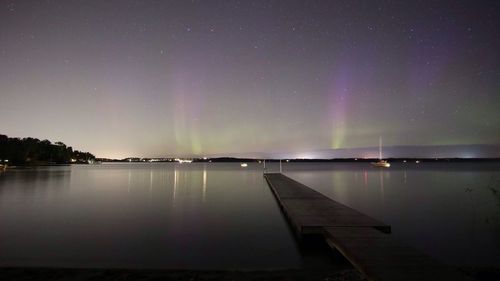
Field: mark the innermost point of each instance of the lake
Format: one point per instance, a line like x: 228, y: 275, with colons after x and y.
x: 223, y: 216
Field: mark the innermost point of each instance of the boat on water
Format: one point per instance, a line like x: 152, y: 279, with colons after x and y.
x: 244, y: 165
x: 381, y: 163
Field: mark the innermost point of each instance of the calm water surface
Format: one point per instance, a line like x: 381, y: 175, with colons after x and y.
x: 143, y: 215
x: 450, y: 211
x: 218, y: 216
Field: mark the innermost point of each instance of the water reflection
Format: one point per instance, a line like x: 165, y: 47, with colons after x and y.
x: 124, y: 215
x: 129, y: 180
x: 204, y: 183
x: 381, y: 181
x: 144, y: 215
x: 151, y: 183
x: 425, y: 203
x: 175, y: 184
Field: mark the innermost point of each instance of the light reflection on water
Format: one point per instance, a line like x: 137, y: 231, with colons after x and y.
x: 144, y: 215
x: 448, y: 210
x: 219, y: 216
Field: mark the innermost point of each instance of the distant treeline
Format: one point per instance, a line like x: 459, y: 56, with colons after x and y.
x: 34, y: 151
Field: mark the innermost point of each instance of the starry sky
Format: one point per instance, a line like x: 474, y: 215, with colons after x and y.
x: 196, y: 78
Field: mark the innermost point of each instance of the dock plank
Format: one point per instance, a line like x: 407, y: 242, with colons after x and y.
x: 309, y: 211
x: 361, y: 239
x: 380, y: 257
x: 284, y: 187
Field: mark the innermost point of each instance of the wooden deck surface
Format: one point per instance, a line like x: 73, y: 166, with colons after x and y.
x: 309, y: 211
x: 363, y: 240
x: 380, y: 257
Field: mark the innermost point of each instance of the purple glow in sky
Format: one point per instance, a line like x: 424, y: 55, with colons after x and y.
x: 184, y: 78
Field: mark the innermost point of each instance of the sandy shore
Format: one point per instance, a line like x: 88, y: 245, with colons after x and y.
x: 82, y: 274
x: 24, y: 274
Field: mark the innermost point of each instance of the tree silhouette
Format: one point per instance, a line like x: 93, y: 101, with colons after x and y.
x: 34, y: 151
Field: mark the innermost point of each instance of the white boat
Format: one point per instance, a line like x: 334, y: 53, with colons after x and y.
x: 381, y: 163
x: 244, y: 165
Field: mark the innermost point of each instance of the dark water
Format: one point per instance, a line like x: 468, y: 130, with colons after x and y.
x: 450, y: 211
x: 143, y: 215
x: 219, y: 216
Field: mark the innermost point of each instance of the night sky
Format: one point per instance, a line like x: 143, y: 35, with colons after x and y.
x: 183, y: 78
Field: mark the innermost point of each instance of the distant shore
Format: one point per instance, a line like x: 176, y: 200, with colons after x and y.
x: 294, y: 160
x: 252, y: 160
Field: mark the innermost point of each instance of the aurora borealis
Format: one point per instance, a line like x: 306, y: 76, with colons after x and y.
x: 186, y: 78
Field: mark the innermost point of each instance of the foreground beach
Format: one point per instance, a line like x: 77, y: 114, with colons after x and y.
x: 25, y: 274
x: 82, y: 274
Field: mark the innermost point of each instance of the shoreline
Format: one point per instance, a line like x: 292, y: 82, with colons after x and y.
x: 98, y: 274
x: 296, y: 160
x: 252, y: 160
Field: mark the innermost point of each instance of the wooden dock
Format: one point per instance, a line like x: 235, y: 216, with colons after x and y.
x: 363, y: 240
x: 310, y: 211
